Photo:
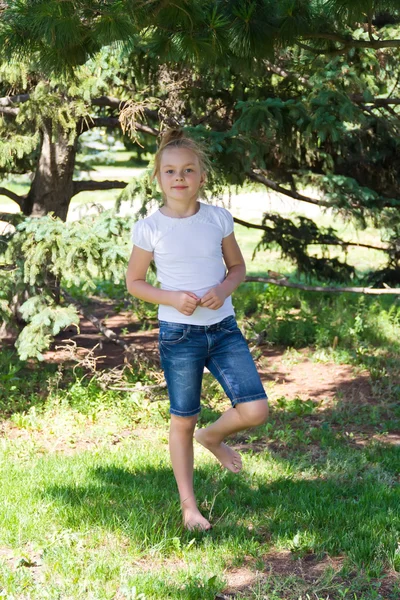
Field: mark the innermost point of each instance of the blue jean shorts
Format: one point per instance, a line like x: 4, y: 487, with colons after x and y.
x: 186, y: 349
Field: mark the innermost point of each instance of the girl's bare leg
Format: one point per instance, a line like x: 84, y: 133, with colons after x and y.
x: 243, y: 416
x: 181, y: 452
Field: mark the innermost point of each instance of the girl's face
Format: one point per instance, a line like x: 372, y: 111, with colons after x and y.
x: 180, y: 177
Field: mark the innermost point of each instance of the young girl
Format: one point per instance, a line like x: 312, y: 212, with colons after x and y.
x: 190, y: 242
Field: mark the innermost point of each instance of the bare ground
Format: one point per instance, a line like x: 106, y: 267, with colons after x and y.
x: 282, y: 375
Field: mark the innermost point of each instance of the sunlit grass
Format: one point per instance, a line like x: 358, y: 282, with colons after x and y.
x: 90, y: 499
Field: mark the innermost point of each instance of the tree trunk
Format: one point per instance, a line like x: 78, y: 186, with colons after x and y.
x: 52, y: 186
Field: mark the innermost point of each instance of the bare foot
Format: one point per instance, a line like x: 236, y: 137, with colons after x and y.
x: 227, y: 456
x: 193, y: 519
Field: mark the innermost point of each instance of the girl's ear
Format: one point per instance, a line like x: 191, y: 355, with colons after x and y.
x: 203, y: 178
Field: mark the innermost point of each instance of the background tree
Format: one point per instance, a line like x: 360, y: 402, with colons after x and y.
x: 286, y: 95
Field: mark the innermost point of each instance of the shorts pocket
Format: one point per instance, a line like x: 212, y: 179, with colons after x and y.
x: 172, y: 336
x: 230, y: 326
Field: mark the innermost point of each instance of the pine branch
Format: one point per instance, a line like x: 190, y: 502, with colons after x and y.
x: 90, y: 186
x: 352, y: 43
x: 338, y: 243
x: 13, y: 196
x: 120, y: 104
x: 320, y: 288
x: 358, y: 98
x: 89, y: 123
x: 254, y: 176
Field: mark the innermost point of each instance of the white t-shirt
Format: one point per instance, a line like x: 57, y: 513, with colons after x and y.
x: 188, y: 256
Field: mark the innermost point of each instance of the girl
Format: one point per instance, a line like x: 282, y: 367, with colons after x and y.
x: 190, y: 242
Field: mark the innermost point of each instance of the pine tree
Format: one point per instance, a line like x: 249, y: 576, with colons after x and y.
x: 287, y: 95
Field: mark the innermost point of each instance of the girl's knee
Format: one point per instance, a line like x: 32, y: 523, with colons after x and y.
x: 253, y: 413
x: 184, y: 423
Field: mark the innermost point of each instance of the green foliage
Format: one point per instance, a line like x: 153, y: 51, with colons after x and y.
x: 45, y: 322
x: 45, y: 253
x: 297, y: 319
x: 14, y: 147
x: 290, y: 99
x: 144, y: 188
x: 294, y: 241
x: 7, y: 286
x: 75, y: 251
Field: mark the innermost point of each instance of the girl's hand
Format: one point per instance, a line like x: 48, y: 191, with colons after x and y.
x: 213, y: 299
x: 185, y: 302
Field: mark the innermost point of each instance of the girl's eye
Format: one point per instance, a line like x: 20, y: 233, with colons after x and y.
x: 189, y: 170
x: 169, y: 171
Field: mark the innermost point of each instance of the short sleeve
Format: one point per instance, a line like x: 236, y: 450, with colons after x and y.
x: 227, y: 222
x: 141, y: 236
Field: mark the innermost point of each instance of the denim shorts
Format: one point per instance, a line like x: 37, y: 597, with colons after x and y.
x: 186, y: 349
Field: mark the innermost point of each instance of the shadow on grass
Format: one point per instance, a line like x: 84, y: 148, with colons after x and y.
x: 22, y: 384
x: 351, y: 513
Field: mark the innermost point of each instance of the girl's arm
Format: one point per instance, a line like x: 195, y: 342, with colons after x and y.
x: 236, y: 266
x: 137, y: 285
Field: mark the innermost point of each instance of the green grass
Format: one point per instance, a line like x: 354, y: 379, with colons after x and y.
x: 90, y: 499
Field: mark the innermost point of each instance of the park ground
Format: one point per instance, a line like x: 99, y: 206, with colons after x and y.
x: 90, y: 509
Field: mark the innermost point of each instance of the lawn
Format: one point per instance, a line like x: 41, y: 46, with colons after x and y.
x: 90, y: 508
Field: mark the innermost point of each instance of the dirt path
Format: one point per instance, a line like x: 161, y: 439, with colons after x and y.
x: 284, y: 373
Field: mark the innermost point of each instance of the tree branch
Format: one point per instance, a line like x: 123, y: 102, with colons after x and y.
x: 108, y: 101
x: 359, y: 98
x: 12, y: 195
x: 109, y: 333
x: 11, y: 100
x: 13, y: 218
x: 88, y: 123
x: 286, y: 75
x: 249, y: 225
x: 5, y: 110
x: 91, y: 122
x: 90, y: 186
x: 254, y: 176
x: 352, y: 43
x: 338, y: 243
x: 208, y: 115
x: 321, y: 288
x: 371, y: 37
x: 120, y: 104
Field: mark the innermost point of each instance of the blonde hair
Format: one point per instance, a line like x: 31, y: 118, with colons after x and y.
x: 175, y: 138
